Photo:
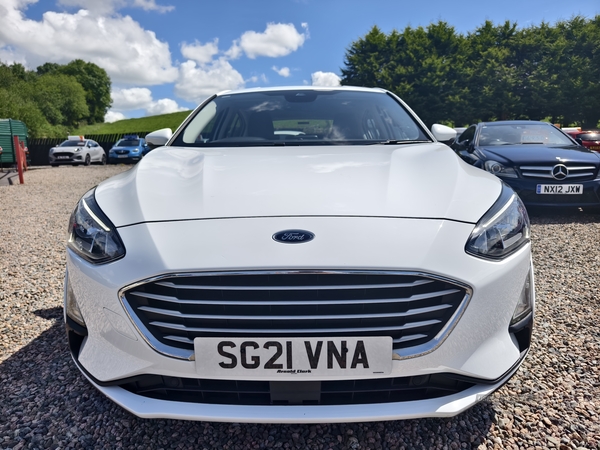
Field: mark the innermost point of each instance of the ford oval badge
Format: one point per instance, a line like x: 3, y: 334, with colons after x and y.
x: 293, y: 236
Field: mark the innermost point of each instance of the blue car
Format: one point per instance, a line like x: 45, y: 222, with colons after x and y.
x: 129, y: 149
x: 545, y: 166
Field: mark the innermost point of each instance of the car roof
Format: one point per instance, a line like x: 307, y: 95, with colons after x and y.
x: 302, y: 88
x: 514, y: 122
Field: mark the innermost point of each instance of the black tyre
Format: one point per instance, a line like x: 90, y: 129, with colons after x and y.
x: 54, y: 165
x: 88, y: 160
x: 103, y: 161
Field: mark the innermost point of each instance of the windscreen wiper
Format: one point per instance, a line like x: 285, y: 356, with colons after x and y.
x: 397, y: 142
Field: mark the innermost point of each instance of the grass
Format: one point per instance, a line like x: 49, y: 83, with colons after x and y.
x: 148, y: 124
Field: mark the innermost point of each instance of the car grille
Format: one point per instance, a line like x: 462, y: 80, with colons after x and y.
x: 577, y: 172
x: 122, y: 152
x: 414, y: 309
x: 339, y: 392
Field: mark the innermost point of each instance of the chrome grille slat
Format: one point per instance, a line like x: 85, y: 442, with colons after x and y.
x: 537, y: 175
x: 416, y: 310
x: 292, y: 288
x: 408, y: 338
x: 409, y: 313
x: 172, y: 299
x: 545, y: 172
x: 284, y: 331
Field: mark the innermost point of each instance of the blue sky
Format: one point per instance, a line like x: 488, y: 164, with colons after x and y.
x: 168, y: 55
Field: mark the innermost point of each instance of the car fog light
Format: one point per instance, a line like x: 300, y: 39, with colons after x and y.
x: 73, y: 310
x: 525, y: 304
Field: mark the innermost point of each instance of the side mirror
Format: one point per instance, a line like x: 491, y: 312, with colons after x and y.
x: 159, y: 138
x: 443, y: 133
x: 579, y: 141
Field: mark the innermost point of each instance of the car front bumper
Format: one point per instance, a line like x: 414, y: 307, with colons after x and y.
x: 126, y: 158
x: 526, y: 189
x: 75, y: 158
x: 481, y: 348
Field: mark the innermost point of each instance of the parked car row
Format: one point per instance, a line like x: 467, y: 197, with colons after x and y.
x: 78, y: 150
x: 543, y: 164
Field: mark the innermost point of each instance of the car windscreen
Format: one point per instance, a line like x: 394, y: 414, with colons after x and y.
x: 128, y: 143
x: 300, y: 117
x: 521, y: 134
x: 72, y: 143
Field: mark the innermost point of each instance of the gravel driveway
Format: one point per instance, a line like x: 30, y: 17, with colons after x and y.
x: 552, y: 402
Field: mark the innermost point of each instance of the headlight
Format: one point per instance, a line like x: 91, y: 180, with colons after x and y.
x: 91, y: 235
x: 502, y: 230
x: 51, y: 150
x: 135, y: 150
x: 500, y: 170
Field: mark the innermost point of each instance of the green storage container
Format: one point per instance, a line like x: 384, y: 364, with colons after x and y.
x: 8, y: 129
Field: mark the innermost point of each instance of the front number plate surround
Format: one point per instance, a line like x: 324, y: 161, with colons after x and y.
x: 560, y: 189
x: 284, y: 358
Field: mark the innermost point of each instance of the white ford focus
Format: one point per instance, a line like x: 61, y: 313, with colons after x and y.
x: 299, y: 255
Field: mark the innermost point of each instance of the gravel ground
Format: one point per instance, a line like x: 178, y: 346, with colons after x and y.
x: 553, y: 401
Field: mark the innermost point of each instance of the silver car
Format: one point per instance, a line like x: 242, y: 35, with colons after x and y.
x: 77, y: 150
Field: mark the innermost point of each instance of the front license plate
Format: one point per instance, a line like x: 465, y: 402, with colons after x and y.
x: 122, y: 156
x: 559, y: 189
x: 595, y: 147
x: 62, y: 157
x: 287, y: 358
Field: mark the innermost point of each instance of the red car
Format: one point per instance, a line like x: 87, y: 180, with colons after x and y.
x: 589, y: 139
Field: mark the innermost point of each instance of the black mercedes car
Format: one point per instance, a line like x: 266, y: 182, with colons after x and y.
x: 544, y: 165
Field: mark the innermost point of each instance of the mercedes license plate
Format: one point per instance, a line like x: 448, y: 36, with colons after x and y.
x: 559, y: 189
x: 287, y: 358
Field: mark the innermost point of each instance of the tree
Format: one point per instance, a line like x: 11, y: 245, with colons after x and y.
x: 61, y: 99
x: 95, y: 82
x: 495, y: 72
x: 13, y: 106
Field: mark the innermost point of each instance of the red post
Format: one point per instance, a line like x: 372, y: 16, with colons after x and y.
x: 19, y: 153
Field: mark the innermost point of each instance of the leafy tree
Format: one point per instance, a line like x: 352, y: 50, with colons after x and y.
x: 13, y: 106
x: 61, y: 99
x: 95, y: 82
x: 48, y: 68
x: 495, y: 72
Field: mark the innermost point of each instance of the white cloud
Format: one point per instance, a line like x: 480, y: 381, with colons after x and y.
x: 150, y: 5
x: 110, y: 6
x: 141, y: 98
x: 128, y: 99
x: 284, y: 71
x: 325, y: 79
x: 129, y: 53
x: 201, y: 53
x: 235, y: 51
x: 94, y: 6
x: 278, y: 39
x: 164, y: 106
x: 112, y: 116
x: 256, y: 78
x: 195, y: 82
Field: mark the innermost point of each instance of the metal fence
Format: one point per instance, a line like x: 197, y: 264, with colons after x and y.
x: 39, y: 147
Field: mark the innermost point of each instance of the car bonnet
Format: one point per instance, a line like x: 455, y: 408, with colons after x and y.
x: 415, y: 181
